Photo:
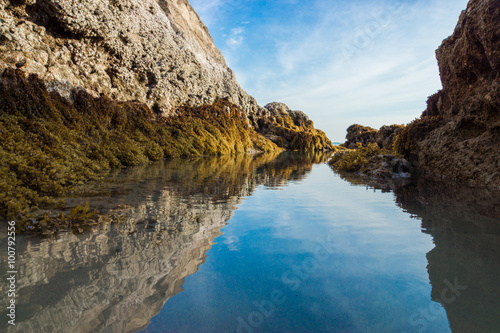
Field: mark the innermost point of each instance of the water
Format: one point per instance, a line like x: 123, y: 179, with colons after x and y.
x: 267, y: 244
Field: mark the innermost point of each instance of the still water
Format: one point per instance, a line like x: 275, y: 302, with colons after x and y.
x: 266, y: 244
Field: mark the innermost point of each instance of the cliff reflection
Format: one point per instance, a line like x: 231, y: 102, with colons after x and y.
x: 464, y: 266
x: 115, y: 278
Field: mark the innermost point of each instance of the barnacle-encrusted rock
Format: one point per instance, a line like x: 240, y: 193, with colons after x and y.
x: 154, y: 51
x: 291, y: 129
x: 157, y: 52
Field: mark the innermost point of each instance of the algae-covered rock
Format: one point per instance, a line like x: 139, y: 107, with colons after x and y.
x: 458, y: 135
x: 87, y: 86
x: 365, y: 135
x: 48, y: 144
x: 157, y: 52
x: 360, y: 134
x: 291, y: 129
x: 371, y: 161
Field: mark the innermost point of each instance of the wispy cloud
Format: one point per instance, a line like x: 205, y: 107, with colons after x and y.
x: 236, y: 37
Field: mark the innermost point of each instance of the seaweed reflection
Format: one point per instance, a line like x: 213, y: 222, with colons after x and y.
x: 118, y: 276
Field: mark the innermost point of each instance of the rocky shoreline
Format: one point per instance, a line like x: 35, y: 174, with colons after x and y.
x: 91, y: 86
x: 458, y: 135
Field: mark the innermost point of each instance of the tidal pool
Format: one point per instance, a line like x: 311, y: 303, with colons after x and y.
x: 266, y: 244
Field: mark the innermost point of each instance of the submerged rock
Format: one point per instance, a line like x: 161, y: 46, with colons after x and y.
x: 387, y: 166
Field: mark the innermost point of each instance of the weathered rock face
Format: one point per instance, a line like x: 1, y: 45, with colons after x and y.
x: 146, y: 70
x: 365, y: 135
x: 458, y: 134
x: 154, y: 51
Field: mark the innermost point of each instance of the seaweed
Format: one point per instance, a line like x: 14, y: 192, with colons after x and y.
x: 405, y: 143
x: 48, y: 144
x: 354, y: 160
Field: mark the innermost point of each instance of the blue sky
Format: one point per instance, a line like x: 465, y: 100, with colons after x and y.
x: 342, y: 62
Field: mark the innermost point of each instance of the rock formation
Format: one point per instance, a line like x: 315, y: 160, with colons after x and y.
x: 87, y: 86
x: 156, y: 52
x: 291, y: 129
x: 384, y: 137
x: 458, y: 135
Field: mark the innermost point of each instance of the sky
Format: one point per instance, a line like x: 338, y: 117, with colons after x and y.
x: 370, y: 62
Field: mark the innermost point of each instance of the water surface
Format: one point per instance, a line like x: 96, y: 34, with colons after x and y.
x: 267, y: 244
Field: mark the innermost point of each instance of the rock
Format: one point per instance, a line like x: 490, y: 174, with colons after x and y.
x: 365, y: 135
x: 458, y: 135
x: 156, y: 52
x: 290, y: 129
x: 134, y: 80
x: 360, y: 134
x: 387, y: 166
x: 387, y: 135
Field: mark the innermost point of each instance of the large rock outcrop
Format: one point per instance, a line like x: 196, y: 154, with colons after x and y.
x: 153, y: 51
x: 86, y: 86
x: 458, y: 135
x: 157, y: 52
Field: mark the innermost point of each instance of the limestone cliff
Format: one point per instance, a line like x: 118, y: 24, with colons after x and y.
x: 156, y: 52
x: 458, y: 135
x: 153, y: 51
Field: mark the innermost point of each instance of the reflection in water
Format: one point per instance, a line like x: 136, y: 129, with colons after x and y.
x: 117, y: 277
x: 464, y: 266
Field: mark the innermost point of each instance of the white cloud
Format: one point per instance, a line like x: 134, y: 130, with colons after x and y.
x: 236, y: 37
x: 385, y: 80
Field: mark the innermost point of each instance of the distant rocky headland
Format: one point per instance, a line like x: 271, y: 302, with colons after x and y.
x: 458, y: 135
x: 89, y: 86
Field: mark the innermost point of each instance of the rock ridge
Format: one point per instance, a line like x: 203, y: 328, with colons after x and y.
x: 458, y: 135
